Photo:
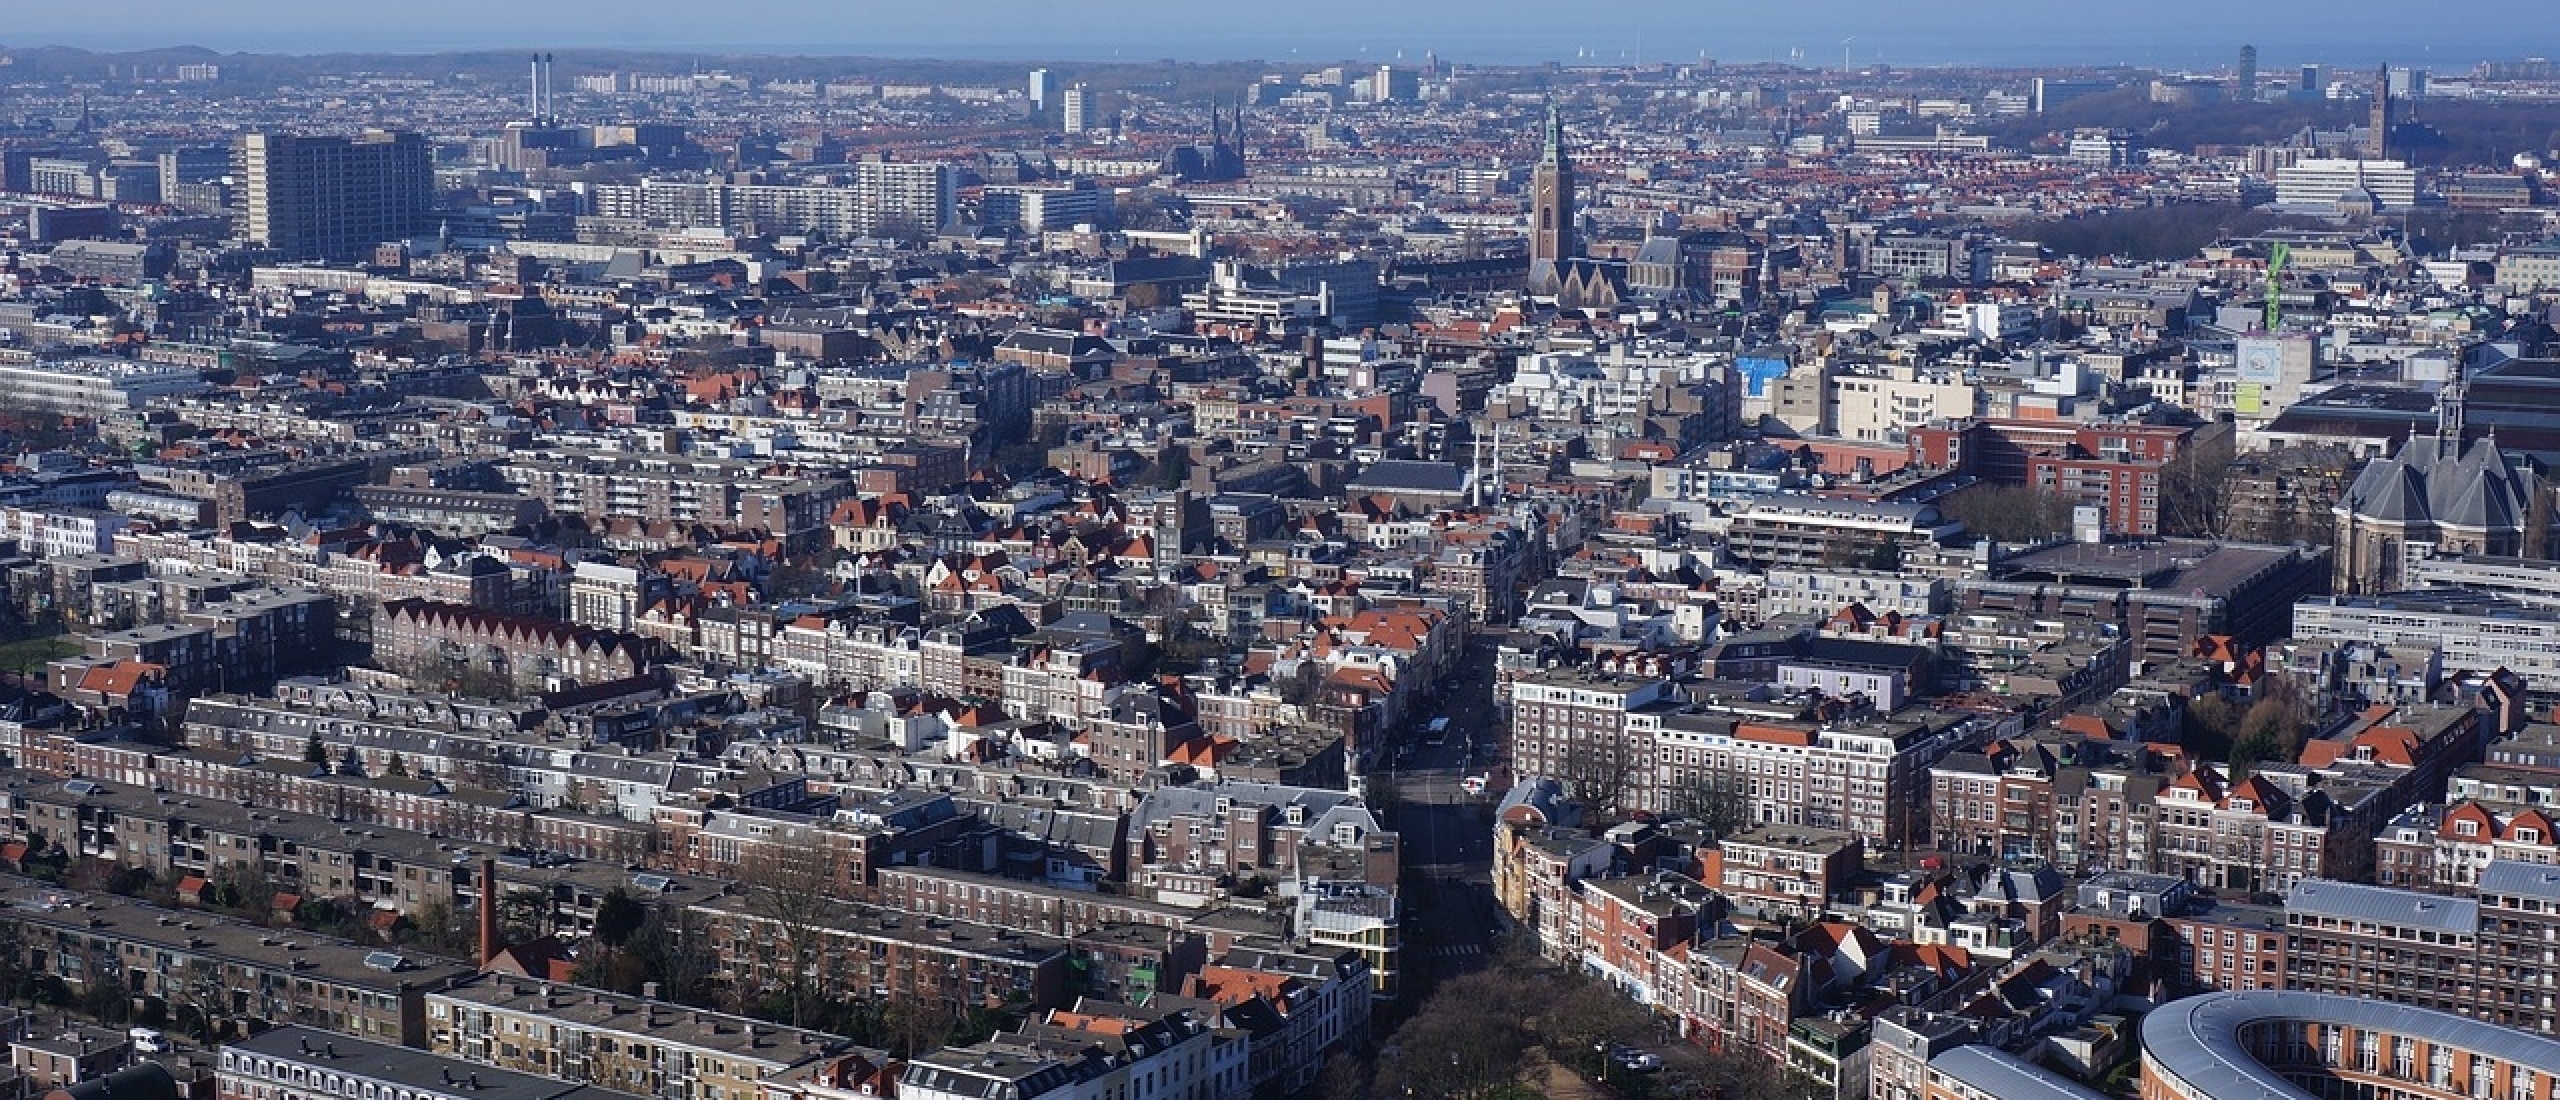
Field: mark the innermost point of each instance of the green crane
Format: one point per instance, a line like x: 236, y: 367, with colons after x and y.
x: 2276, y: 257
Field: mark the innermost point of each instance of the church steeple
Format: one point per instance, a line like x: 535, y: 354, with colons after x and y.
x: 2449, y: 415
x: 1551, y: 205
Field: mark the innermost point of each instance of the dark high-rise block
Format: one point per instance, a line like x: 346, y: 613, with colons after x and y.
x: 334, y: 198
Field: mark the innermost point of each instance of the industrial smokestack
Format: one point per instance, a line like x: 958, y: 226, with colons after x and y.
x: 550, y: 91
x: 533, y: 93
x: 489, y: 945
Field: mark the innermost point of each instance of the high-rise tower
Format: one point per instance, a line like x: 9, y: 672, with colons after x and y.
x: 1551, y: 202
x: 1075, y: 109
x: 334, y: 198
x: 2377, y: 140
x: 2245, y: 89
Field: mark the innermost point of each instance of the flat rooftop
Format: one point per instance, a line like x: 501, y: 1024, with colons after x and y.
x: 2186, y: 565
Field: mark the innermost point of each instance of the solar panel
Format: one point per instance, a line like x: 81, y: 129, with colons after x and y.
x: 655, y: 884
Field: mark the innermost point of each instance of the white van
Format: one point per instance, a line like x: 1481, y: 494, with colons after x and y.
x: 147, y: 1040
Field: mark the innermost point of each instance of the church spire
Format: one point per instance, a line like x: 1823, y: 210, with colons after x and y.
x: 2449, y: 414
x: 1555, y: 134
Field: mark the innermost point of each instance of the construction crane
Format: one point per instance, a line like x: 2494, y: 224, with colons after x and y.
x: 2276, y: 257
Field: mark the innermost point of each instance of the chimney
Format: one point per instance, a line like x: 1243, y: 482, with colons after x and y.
x: 489, y: 945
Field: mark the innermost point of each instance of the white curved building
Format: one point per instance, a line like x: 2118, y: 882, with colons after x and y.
x: 2280, y: 1045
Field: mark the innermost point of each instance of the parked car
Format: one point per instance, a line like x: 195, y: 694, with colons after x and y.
x: 1638, y: 1061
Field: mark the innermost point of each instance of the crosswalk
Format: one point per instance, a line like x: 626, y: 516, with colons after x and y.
x: 1457, y: 950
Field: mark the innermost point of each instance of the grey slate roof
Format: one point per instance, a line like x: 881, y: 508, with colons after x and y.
x: 1165, y: 803
x: 2197, y: 1040
x: 2003, y: 1076
x: 2517, y: 879
x: 2383, y: 905
x: 2437, y: 480
x: 1402, y: 475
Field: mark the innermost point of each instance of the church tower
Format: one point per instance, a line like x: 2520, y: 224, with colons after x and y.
x: 2377, y: 142
x: 1551, y: 204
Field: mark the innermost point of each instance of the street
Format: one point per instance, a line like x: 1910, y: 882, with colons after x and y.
x: 1447, y: 831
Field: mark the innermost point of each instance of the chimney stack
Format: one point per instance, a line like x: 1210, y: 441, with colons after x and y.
x: 489, y: 945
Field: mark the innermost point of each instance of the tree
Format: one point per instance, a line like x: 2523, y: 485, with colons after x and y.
x: 914, y: 1025
x: 1467, y: 1039
x: 244, y: 888
x: 1601, y: 773
x: 789, y: 888
x: 676, y: 952
x: 2210, y: 722
x: 2011, y: 513
x: 1305, y: 687
x: 314, y: 752
x: 436, y: 930
x: 2274, y: 726
x: 1142, y: 296
x: 2195, y: 489
x: 618, y: 918
x: 2252, y: 749
x: 524, y: 914
x: 1718, y: 803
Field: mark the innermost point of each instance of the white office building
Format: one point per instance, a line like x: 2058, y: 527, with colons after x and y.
x: 2319, y: 182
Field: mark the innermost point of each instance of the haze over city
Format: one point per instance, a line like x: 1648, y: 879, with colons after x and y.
x: 2003, y: 32
x: 1327, y: 551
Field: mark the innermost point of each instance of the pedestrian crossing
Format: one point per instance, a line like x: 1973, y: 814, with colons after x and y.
x: 1457, y: 950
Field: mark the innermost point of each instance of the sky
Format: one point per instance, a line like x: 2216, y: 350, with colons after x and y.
x: 2444, y: 36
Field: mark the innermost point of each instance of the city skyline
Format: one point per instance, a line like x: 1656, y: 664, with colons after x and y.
x: 1857, y: 32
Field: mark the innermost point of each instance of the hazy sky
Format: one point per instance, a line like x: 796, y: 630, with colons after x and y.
x: 2444, y: 35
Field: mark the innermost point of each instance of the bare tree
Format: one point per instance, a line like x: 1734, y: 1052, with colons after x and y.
x: 1605, y: 773
x: 2195, y: 489
x: 1718, y: 803
x: 789, y: 888
x: 921, y: 1017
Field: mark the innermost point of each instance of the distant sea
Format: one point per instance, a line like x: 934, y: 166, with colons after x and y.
x: 2343, y: 44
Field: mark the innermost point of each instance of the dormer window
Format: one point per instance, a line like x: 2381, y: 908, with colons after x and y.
x: 2528, y: 836
x: 2466, y: 828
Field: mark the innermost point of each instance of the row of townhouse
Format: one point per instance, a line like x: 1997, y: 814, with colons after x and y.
x: 1661, y: 751
x: 2098, y: 806
x: 384, y: 872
